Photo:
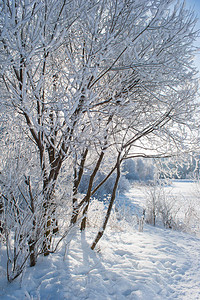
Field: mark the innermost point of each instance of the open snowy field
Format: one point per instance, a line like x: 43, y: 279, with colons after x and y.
x: 181, y: 198
x: 154, y: 264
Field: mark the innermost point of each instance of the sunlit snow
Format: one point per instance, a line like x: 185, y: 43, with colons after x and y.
x: 154, y: 264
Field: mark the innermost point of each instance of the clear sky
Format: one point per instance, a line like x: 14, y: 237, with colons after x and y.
x: 195, y: 4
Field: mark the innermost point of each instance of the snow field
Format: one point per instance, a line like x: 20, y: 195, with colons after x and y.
x: 183, y: 197
x: 155, y: 264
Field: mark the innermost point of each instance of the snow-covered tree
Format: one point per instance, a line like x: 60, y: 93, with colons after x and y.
x: 92, y: 83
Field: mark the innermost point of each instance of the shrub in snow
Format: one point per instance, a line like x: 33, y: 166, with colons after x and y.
x: 96, y: 213
x: 160, y: 207
x: 191, y: 217
x: 121, y: 216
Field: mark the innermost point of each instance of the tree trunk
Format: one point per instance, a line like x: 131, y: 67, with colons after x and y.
x: 89, y: 191
x: 32, y: 253
x: 77, y: 180
x: 101, y: 232
x: 47, y: 237
x: 50, y: 223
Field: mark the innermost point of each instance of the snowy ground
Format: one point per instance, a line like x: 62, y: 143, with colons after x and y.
x: 149, y: 265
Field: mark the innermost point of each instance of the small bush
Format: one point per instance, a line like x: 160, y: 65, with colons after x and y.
x: 160, y: 207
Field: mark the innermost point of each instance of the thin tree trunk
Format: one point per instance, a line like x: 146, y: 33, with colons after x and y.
x: 78, y: 206
x: 89, y: 191
x: 101, y: 232
x: 77, y: 180
x: 51, y: 225
x: 47, y: 237
x: 32, y: 240
x: 32, y: 253
x: 88, y: 195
